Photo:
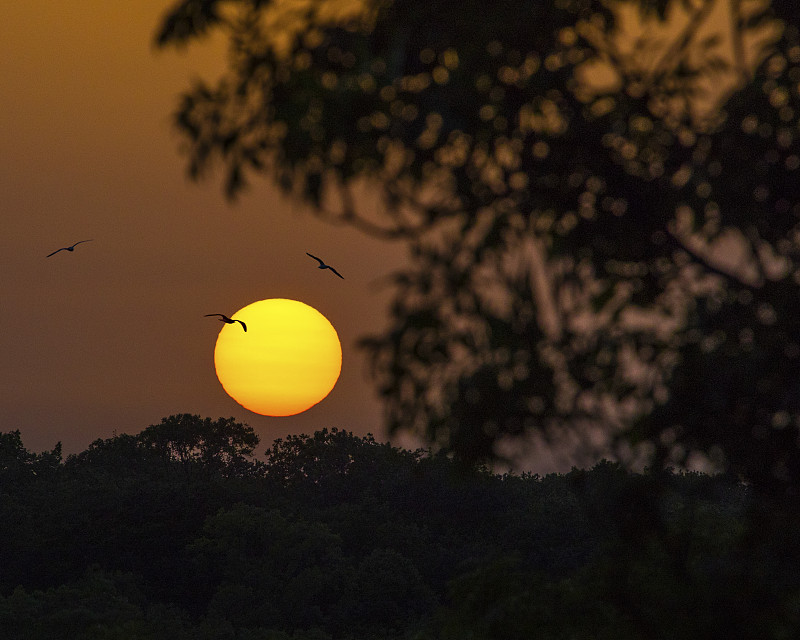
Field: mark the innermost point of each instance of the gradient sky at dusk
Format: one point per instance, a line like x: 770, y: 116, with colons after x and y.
x: 111, y: 338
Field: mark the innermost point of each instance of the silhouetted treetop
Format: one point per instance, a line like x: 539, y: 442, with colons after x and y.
x: 222, y: 444
x: 18, y: 464
x: 332, y: 453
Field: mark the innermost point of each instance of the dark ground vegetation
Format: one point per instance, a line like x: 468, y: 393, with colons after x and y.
x: 180, y: 532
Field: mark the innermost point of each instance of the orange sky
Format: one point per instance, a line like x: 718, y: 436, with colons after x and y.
x: 111, y: 338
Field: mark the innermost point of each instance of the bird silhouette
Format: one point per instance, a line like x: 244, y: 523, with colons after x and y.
x: 322, y: 265
x: 71, y: 248
x: 226, y: 319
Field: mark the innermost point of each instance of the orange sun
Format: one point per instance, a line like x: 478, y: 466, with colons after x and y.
x: 288, y: 360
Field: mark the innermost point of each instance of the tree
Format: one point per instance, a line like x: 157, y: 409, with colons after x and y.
x: 388, y: 544
x: 221, y: 445
x: 17, y: 463
x: 122, y: 454
x: 565, y: 233
x: 330, y: 454
x: 267, y: 570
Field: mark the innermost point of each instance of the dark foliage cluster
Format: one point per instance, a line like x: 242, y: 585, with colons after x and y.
x: 566, y: 236
x: 178, y: 532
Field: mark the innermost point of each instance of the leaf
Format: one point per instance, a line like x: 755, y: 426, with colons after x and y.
x: 235, y: 181
x: 189, y: 19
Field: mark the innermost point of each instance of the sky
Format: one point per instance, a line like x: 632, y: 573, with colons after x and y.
x: 111, y: 338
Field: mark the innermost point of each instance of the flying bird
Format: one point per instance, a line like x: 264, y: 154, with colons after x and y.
x: 72, y: 248
x: 226, y: 319
x: 322, y: 265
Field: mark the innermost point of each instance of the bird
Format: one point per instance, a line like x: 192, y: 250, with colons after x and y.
x: 322, y: 265
x: 71, y: 248
x: 227, y: 320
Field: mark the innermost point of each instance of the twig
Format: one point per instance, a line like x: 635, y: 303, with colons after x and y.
x: 672, y: 55
x: 736, y: 37
x: 754, y: 240
x: 348, y: 215
x: 676, y: 242
x: 604, y: 45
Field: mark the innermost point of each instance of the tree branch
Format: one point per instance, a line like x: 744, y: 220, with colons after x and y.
x: 736, y: 38
x: 603, y: 45
x: 349, y: 215
x: 673, y: 53
x: 700, y: 259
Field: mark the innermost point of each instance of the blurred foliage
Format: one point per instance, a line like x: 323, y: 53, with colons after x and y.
x: 600, y: 200
x: 391, y: 544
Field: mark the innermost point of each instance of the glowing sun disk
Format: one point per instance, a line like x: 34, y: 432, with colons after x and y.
x: 288, y: 360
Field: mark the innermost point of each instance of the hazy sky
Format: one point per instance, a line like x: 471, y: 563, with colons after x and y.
x: 111, y: 338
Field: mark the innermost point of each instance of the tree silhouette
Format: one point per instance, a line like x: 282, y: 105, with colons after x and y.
x: 358, y: 539
x: 17, y: 464
x: 222, y: 445
x: 600, y: 199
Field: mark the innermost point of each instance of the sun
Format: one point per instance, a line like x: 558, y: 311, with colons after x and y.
x: 288, y: 360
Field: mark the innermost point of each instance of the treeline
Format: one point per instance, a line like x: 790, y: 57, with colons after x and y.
x: 180, y: 532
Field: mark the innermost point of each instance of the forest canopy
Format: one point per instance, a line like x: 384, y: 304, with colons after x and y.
x: 334, y: 536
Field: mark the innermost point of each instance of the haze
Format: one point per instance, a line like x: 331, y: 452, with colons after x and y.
x: 111, y: 337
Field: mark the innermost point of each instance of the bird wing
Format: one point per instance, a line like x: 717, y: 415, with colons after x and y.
x: 336, y: 272
x: 79, y: 241
x: 315, y: 258
x: 208, y: 315
x: 55, y: 252
x: 244, y: 326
